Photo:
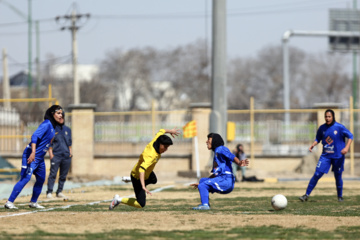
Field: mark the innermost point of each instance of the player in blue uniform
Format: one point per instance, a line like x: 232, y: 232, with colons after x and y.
x: 33, y: 157
x: 222, y: 179
x: 332, y: 136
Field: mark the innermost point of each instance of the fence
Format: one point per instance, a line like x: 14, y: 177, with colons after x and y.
x: 116, y: 132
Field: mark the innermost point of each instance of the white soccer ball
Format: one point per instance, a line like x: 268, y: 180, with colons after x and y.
x: 279, y: 202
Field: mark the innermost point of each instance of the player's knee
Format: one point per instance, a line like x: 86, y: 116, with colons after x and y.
x: 40, y: 179
x: 142, y: 202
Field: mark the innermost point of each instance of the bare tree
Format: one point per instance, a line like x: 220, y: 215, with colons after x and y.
x: 327, y: 80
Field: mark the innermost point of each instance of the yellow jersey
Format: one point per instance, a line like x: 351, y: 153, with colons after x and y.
x: 148, y: 159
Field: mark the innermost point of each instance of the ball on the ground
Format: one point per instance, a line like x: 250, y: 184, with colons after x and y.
x: 279, y: 202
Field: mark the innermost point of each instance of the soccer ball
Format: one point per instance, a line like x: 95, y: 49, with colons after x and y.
x: 279, y: 202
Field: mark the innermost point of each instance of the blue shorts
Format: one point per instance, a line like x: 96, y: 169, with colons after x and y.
x: 325, y: 163
x: 221, y: 184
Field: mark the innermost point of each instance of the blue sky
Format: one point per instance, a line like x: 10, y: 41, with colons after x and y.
x: 163, y: 24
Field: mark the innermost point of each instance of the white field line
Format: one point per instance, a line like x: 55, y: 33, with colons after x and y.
x: 72, y: 205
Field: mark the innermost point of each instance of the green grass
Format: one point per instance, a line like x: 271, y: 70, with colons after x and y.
x: 263, y: 232
x: 221, y: 205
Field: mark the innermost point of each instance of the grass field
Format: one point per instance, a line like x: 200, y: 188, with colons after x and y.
x: 246, y: 213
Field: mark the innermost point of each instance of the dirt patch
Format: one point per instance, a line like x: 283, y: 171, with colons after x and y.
x: 102, y: 221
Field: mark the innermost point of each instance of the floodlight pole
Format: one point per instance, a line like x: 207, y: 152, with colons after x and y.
x: 285, y: 39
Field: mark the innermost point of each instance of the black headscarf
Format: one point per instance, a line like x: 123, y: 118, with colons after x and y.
x: 164, y: 140
x: 217, y: 140
x: 333, y: 115
x: 49, y: 114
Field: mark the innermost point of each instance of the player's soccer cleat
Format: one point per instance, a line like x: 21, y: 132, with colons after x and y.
x: 340, y: 199
x: 126, y: 179
x: 202, y: 207
x: 60, y: 195
x: 35, y: 205
x: 49, y: 195
x: 304, y: 198
x: 114, y: 202
x: 10, y: 205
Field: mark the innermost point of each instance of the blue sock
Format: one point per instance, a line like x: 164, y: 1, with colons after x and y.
x: 339, y: 183
x: 313, y: 182
x: 204, y: 193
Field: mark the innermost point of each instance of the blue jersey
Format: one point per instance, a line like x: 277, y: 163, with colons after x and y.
x: 42, y: 137
x: 333, y: 139
x: 223, y: 158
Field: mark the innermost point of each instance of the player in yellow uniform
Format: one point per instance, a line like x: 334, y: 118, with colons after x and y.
x: 142, y: 174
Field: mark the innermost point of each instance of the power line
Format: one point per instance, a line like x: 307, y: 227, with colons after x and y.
x: 261, y: 9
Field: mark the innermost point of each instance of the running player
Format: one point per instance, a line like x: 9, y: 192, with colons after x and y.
x: 222, y: 179
x: 142, y: 174
x: 332, y: 136
x: 33, y: 157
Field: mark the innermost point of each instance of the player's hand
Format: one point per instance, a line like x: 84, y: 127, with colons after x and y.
x: 344, y: 151
x: 31, y: 158
x: 194, y: 185
x: 147, y: 191
x: 244, y: 162
x: 310, y: 148
x: 174, y: 132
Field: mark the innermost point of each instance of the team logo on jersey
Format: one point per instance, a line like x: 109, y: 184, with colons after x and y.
x: 335, y: 132
x: 329, y: 140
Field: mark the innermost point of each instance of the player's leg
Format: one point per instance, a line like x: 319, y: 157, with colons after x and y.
x: 338, y: 168
x: 40, y: 174
x: 217, y: 184
x: 322, y: 167
x: 64, y: 169
x: 151, y: 180
x: 313, y: 181
x: 138, y: 202
x: 54, y: 167
x: 25, y: 176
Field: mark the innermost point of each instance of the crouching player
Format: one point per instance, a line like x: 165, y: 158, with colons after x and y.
x: 142, y: 174
x: 222, y: 179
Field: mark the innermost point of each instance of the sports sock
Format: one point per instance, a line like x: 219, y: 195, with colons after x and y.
x: 339, y: 183
x: 313, y: 182
x: 130, y: 202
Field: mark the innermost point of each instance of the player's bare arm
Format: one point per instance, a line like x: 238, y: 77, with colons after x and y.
x: 312, y: 146
x: 345, y: 150
x: 142, y: 180
x: 173, y: 132
x: 241, y: 163
x: 32, y: 155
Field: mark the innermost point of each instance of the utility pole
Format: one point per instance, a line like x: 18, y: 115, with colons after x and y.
x: 38, y: 70
x: 218, y: 116
x: 6, y: 84
x: 29, y: 49
x: 28, y: 18
x: 73, y: 28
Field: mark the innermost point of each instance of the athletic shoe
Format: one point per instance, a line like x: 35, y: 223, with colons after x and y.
x: 114, y: 202
x: 35, y: 205
x: 340, y: 199
x: 10, y: 205
x: 49, y: 195
x: 60, y: 195
x: 202, y: 207
x: 304, y: 198
x: 126, y: 179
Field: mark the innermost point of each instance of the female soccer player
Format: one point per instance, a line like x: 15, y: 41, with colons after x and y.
x: 33, y: 157
x: 222, y: 179
x: 332, y: 136
x: 142, y: 174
